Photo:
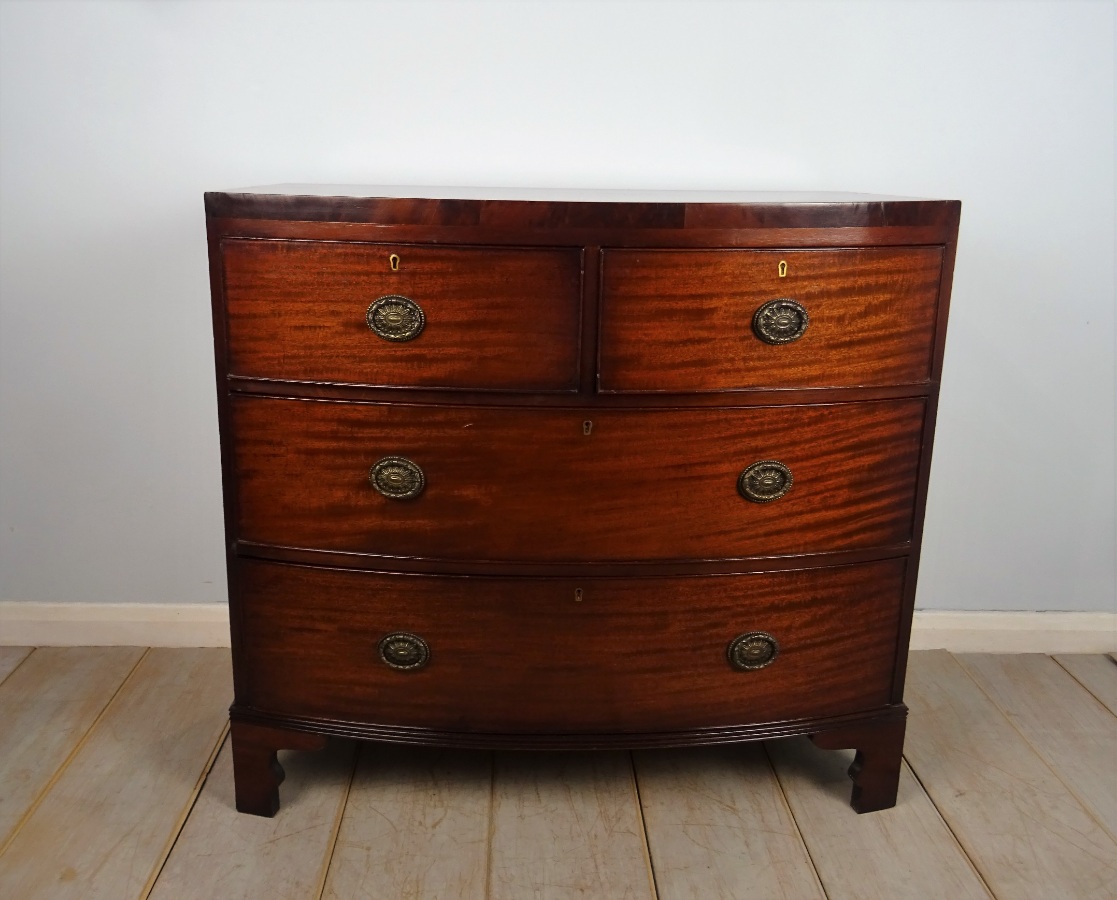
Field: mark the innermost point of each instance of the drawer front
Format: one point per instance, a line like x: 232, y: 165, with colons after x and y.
x: 524, y: 655
x: 489, y: 319
x: 532, y: 485
x: 686, y: 321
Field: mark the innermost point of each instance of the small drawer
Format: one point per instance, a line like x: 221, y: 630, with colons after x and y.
x: 575, y: 485
x: 403, y: 315
x: 725, y: 320
x: 566, y: 655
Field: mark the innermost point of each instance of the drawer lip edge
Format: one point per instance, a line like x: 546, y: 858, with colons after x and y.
x: 566, y: 740
x: 277, y: 385
x: 366, y: 562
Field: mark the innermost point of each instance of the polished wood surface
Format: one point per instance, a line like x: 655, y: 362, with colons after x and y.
x: 512, y: 654
x: 499, y: 319
x: 582, y: 400
x: 530, y: 485
x: 527, y: 209
x: 682, y: 321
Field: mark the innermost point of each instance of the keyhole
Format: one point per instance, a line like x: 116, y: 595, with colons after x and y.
x: 393, y: 261
x: 783, y: 268
x: 587, y: 426
x: 577, y: 595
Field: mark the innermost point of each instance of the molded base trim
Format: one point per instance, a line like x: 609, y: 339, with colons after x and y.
x: 591, y: 740
x: 26, y: 624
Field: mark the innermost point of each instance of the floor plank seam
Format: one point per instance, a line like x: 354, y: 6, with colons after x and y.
x: 957, y: 842
x: 1086, y: 687
x: 490, y: 831
x: 18, y: 664
x: 207, y: 768
x: 328, y: 857
x: 643, y: 826
x: 794, y: 821
x: 1051, y: 767
x: 75, y: 750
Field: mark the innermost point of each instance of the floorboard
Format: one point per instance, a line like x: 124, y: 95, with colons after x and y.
x: 415, y: 826
x: 567, y: 825
x: 1025, y: 832
x: 47, y: 706
x: 105, y: 826
x: 909, y: 851
x: 104, y: 755
x: 10, y: 658
x: 1062, y: 721
x: 220, y: 853
x: 1096, y: 672
x: 719, y: 828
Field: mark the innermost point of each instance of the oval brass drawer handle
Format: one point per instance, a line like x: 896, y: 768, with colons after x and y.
x: 753, y: 650
x: 765, y: 481
x: 780, y: 321
x: 403, y: 650
x: 395, y: 318
x: 397, y: 478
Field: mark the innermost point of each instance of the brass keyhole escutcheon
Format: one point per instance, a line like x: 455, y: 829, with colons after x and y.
x: 587, y: 427
x: 577, y: 595
x: 393, y: 261
x: 782, y: 268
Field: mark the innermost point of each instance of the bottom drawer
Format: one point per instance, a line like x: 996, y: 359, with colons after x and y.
x: 566, y: 655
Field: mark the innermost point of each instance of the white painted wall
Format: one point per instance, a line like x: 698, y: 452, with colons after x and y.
x: 115, y: 117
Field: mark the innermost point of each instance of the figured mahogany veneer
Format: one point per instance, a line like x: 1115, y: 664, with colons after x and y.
x: 575, y: 563
x: 626, y: 654
x: 496, y: 318
x: 530, y: 485
x: 681, y: 320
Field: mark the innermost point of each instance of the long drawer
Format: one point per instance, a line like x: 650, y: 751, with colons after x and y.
x: 566, y: 655
x: 550, y: 485
x: 723, y: 320
x: 453, y: 317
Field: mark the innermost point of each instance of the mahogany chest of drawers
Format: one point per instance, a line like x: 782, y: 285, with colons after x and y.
x: 558, y: 469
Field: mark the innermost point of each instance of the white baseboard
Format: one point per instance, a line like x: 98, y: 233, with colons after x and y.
x: 113, y: 624
x: 207, y: 625
x: 1014, y: 632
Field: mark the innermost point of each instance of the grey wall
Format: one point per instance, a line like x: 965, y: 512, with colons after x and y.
x: 115, y: 117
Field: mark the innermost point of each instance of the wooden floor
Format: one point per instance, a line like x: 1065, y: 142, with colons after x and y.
x: 116, y: 782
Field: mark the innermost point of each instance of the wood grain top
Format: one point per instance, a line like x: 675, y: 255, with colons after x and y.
x: 557, y: 207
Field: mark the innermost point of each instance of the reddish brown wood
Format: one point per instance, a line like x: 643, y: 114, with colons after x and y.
x: 682, y: 320
x: 554, y: 209
x: 530, y: 485
x: 727, y: 566
x: 876, y: 767
x: 508, y: 654
x: 760, y: 397
x: 908, y: 606
x: 531, y: 291
x: 537, y: 740
x: 256, y: 770
x: 501, y: 319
